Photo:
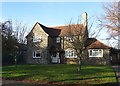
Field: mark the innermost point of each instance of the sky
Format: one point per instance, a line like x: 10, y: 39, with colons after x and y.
x: 49, y: 13
x: 52, y: 13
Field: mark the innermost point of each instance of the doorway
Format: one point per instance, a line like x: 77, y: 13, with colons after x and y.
x: 55, y: 58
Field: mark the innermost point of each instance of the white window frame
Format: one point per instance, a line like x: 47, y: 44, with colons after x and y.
x: 95, y: 52
x: 69, y: 38
x: 70, y: 54
x: 57, y: 39
x: 35, y: 52
x: 37, y: 38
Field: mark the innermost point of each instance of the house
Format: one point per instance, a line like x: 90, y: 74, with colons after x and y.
x: 115, y: 56
x: 46, y: 45
x: 98, y: 53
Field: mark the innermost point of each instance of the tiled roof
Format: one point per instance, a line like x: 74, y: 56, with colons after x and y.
x: 74, y: 29
x: 62, y: 30
x: 93, y: 43
x: 51, y: 31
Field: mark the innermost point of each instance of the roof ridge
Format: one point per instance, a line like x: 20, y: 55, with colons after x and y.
x: 103, y: 43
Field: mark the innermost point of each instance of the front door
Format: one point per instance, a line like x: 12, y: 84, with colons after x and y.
x: 56, y: 58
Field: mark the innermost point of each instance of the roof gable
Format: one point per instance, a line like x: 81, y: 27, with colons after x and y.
x: 93, y: 43
x: 61, y: 30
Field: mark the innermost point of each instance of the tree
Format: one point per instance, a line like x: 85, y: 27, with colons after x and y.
x: 13, y: 41
x: 111, y: 20
x: 9, y: 43
x: 20, y: 30
x: 76, y: 36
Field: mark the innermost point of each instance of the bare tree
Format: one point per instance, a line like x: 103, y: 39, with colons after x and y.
x: 20, y: 30
x: 76, y: 36
x: 111, y: 20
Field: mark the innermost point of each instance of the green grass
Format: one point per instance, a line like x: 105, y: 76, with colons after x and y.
x: 60, y: 73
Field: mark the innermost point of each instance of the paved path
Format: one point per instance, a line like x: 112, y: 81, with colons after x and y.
x: 21, y: 83
x: 117, y: 73
x: 14, y: 83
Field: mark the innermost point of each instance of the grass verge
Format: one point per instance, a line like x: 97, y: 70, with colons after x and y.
x: 61, y: 74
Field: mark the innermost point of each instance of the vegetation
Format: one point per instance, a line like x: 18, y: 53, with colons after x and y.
x: 9, y: 43
x: 61, y: 74
x: 12, y: 46
x: 110, y: 19
x: 76, y: 37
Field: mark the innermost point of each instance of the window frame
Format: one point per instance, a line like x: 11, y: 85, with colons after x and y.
x: 69, y: 38
x: 95, y: 52
x: 37, y: 38
x: 70, y: 54
x: 35, y: 52
x: 57, y: 39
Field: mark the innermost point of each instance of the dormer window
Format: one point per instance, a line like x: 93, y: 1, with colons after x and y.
x: 37, y: 38
x: 58, y: 40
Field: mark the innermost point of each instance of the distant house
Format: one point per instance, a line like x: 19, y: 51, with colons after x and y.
x: 47, y: 45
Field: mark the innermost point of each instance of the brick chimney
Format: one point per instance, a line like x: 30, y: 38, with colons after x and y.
x: 84, y: 19
x: 85, y: 23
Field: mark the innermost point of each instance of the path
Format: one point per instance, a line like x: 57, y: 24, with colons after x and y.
x: 117, y: 73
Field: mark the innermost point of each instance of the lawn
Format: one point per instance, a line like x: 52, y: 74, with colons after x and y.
x: 61, y: 74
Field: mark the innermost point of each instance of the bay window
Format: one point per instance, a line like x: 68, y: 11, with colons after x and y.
x: 95, y: 52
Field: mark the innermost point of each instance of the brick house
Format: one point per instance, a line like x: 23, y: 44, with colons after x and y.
x: 98, y: 53
x: 46, y: 45
x: 115, y: 56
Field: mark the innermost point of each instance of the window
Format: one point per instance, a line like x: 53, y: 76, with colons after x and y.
x: 69, y: 38
x: 95, y: 52
x: 58, y: 39
x: 37, y: 54
x: 37, y: 38
x: 70, y: 54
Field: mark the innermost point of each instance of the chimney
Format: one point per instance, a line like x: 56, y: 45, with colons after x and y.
x: 84, y: 19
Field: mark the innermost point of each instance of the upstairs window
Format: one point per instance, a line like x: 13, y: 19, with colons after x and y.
x: 58, y: 40
x: 36, y: 54
x: 95, y: 52
x: 69, y: 38
x: 37, y: 38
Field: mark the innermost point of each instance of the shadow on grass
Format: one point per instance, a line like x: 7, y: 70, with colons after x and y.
x: 50, y: 74
x: 59, y: 83
x: 86, y: 81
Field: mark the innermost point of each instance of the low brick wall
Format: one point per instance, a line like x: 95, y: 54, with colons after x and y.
x: 71, y: 60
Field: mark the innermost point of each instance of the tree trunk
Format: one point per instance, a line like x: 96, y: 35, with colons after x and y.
x: 15, y: 61
x: 79, y: 64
